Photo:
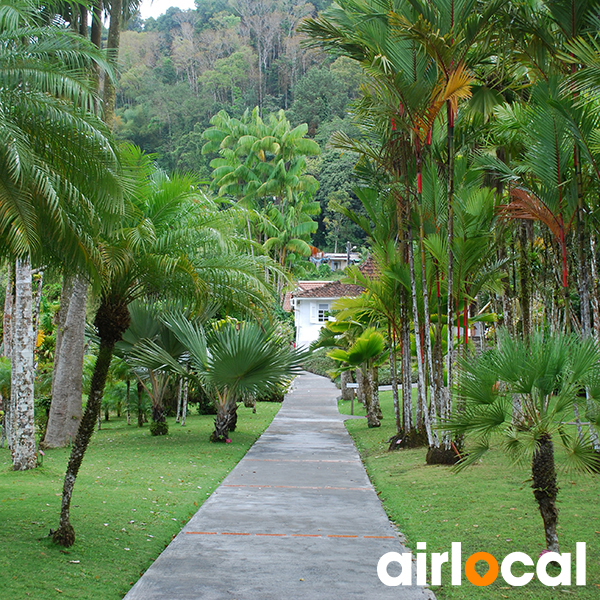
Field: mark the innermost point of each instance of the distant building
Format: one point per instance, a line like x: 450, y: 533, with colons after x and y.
x: 338, y: 261
x: 311, y: 307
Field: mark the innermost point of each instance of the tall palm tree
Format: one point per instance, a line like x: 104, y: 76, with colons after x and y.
x: 419, y: 57
x: 58, y: 172
x: 169, y: 241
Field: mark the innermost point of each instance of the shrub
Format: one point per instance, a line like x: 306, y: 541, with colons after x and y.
x: 159, y: 428
x: 319, y: 363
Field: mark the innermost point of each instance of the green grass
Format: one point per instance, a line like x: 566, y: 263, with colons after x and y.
x: 489, y: 507
x: 133, y: 494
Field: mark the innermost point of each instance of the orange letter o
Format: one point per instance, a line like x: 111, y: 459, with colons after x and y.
x: 473, y: 576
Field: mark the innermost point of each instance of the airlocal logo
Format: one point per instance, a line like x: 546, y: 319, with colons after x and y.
x: 439, y: 558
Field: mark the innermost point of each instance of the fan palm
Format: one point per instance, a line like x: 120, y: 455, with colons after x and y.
x: 547, y: 373
x: 232, y: 361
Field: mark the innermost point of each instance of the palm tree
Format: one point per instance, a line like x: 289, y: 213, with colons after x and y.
x: 547, y: 372
x: 231, y: 361
x: 146, y: 324
x: 366, y: 353
x: 58, y: 172
x: 169, y: 241
x: 57, y: 163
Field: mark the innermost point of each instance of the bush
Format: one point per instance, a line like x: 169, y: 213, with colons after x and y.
x: 278, y: 395
x: 319, y: 363
x: 159, y: 428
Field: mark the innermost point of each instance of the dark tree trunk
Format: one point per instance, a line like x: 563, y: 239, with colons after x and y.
x: 96, y: 32
x: 112, y: 319
x: 140, y: 409
x: 112, y: 45
x: 232, y: 416
x: 545, y: 488
x: 221, y: 432
x: 525, y: 277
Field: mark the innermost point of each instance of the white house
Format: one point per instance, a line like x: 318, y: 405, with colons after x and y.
x: 312, y: 305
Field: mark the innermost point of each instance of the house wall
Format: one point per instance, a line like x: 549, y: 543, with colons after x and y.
x: 306, y: 320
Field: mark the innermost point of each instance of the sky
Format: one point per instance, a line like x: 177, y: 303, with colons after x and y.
x: 155, y: 8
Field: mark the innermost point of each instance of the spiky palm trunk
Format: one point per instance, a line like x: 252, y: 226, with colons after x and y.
x: 225, y: 421
x: 112, y: 320
x: 22, y: 372
x: 545, y: 488
x: 594, y: 287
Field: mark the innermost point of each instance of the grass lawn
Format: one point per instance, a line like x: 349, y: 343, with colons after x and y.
x: 489, y: 507
x: 133, y: 494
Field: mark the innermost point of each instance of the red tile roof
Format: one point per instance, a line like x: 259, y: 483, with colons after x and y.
x: 332, y: 289
x: 369, y: 268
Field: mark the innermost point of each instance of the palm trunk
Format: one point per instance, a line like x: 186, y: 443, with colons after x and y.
x: 66, y: 407
x: 395, y: 395
x: 222, y: 422
x: 422, y: 412
x: 450, y: 309
x: 407, y: 408
x: 545, y: 488
x: 127, y: 400
x: 23, y: 442
x: 185, y: 401
x: 594, y: 286
x: 140, y: 410
x: 8, y: 311
x: 179, y: 400
x: 375, y: 392
x: 360, y: 390
x: 112, y: 319
x: 112, y: 46
x: 345, y: 379
x: 372, y: 419
x: 525, y: 277
x: 434, y: 393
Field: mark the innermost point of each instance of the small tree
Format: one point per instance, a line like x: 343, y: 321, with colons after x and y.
x: 232, y: 361
x: 366, y: 353
x: 547, y: 372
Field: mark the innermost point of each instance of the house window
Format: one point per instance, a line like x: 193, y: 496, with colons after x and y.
x: 322, y: 313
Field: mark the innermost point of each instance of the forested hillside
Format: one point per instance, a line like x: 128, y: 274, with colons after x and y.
x: 181, y: 69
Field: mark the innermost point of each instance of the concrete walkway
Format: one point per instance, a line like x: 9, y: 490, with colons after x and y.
x: 296, y: 519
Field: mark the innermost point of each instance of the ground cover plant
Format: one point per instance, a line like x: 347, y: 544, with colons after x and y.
x: 488, y: 507
x: 133, y: 494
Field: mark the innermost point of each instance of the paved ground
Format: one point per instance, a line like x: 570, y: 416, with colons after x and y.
x: 297, y: 519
